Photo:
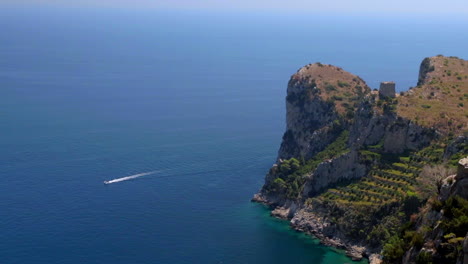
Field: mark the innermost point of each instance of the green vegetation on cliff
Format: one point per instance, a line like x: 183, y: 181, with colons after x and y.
x: 412, y: 237
x: 383, y: 207
x: 386, y: 196
x: 291, y: 173
x: 369, y: 170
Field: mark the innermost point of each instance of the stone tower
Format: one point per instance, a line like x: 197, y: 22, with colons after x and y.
x: 387, y: 89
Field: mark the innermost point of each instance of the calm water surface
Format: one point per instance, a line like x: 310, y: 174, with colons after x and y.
x: 196, y: 98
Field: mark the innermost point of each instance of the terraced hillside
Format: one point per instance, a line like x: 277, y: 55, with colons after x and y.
x: 374, y: 207
x: 355, y: 167
x: 382, y: 186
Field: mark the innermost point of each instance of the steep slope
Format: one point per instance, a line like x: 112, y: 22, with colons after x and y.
x: 349, y: 163
x: 438, y: 233
x: 318, y: 97
x: 441, y: 99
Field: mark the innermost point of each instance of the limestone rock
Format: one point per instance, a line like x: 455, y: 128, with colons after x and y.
x: 460, y: 185
x: 425, y: 68
x: 324, y: 100
x: 462, y: 171
x: 375, y: 259
x: 446, y: 188
x: 356, y: 252
x: 344, y: 167
x: 456, y: 184
x: 397, y: 134
x: 314, y: 102
x: 280, y: 212
x: 307, y: 125
x: 460, y: 188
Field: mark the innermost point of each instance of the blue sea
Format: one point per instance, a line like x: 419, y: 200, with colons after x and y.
x: 194, y: 99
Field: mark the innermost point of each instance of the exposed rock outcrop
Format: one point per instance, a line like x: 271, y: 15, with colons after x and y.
x: 395, y: 133
x: 456, y: 184
x: 329, y: 234
x: 343, y: 168
x: 425, y: 68
x: 460, y: 186
x: 323, y: 102
x: 317, y: 96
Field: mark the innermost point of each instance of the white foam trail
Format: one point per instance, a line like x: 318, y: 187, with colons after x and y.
x: 129, y: 177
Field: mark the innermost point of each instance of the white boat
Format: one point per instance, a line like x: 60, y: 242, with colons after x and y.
x: 106, y: 182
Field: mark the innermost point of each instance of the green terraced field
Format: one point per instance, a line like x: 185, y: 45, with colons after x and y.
x: 386, y: 184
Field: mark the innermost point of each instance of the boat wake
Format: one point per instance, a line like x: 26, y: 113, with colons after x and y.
x: 129, y: 177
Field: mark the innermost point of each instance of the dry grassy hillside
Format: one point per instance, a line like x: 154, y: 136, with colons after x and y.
x: 335, y: 84
x: 441, y: 98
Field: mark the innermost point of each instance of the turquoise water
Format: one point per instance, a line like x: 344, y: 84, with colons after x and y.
x: 196, y: 98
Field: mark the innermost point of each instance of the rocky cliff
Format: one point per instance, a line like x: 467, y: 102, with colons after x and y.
x: 318, y: 96
x: 442, y: 225
x: 348, y: 166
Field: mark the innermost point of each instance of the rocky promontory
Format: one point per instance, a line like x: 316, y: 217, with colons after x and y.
x: 350, y: 168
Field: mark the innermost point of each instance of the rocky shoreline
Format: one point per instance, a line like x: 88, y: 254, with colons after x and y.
x: 349, y: 163
x: 314, y: 225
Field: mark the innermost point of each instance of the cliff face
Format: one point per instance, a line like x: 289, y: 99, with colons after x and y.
x: 317, y: 96
x: 332, y: 171
x: 397, y: 134
x: 456, y: 185
x: 323, y: 100
x: 349, y: 159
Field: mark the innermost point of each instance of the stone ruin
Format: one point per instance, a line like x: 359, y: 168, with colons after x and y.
x: 387, y: 89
